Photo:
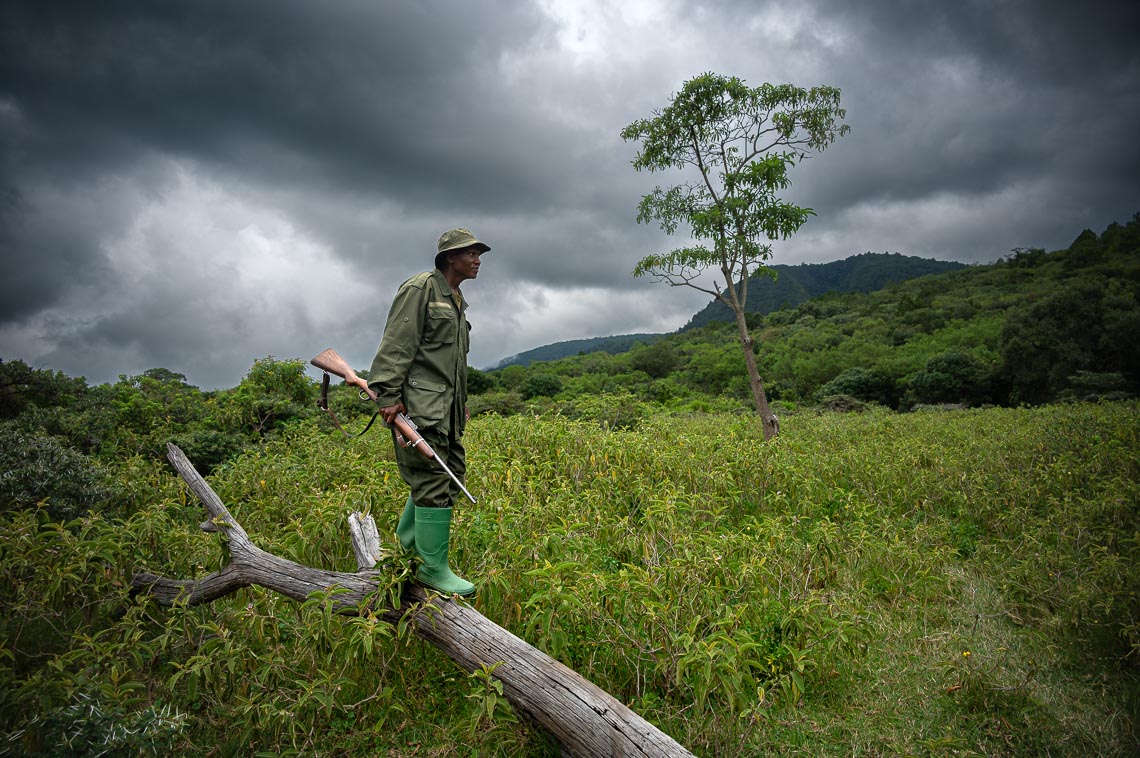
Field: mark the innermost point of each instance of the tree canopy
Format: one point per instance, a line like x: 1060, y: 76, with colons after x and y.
x: 741, y: 140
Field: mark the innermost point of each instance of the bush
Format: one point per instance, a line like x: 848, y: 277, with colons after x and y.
x: 863, y: 384
x: 842, y: 404
x: 91, y: 726
x: 478, y: 381
x: 1091, y: 386
x: 502, y: 403
x: 658, y: 361
x: 38, y: 469
x: 613, y: 411
x: 952, y: 377
x: 540, y: 385
x: 209, y: 448
x: 273, y: 393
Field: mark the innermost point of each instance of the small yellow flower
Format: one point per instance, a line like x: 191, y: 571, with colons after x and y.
x: 965, y: 653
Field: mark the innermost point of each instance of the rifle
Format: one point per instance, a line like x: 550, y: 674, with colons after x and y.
x: 407, y: 434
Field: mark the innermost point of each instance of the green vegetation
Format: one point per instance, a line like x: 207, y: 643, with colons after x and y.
x: 927, y: 582
x: 1033, y: 328
x: 781, y: 286
x: 882, y: 583
x: 618, y: 343
x: 739, y: 142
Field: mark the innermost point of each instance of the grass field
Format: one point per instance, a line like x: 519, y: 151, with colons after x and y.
x: 943, y: 583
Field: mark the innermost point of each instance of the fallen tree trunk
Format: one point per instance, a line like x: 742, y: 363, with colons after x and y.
x: 584, y: 718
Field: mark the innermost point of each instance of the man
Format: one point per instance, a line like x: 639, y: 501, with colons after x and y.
x: 421, y: 369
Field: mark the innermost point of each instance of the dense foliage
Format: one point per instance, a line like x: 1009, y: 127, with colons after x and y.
x: 782, y: 286
x: 1032, y: 328
x: 882, y: 583
x: 618, y: 343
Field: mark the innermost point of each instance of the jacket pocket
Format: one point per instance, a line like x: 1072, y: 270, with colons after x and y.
x: 440, y: 324
x: 427, y: 401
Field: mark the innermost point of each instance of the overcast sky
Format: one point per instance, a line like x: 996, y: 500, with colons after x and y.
x: 195, y: 185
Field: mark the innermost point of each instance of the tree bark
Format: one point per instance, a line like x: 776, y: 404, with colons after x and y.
x: 583, y: 718
x: 759, y: 396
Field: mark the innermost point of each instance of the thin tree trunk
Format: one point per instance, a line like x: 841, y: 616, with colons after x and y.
x: 759, y: 397
x: 584, y: 719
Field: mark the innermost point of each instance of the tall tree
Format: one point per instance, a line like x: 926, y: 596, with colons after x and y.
x: 741, y: 141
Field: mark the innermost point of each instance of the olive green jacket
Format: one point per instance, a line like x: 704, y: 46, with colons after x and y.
x: 422, y: 359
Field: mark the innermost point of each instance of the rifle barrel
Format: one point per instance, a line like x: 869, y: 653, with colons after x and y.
x: 455, y: 479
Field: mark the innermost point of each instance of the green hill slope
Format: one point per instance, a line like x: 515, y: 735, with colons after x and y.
x: 793, y: 285
x: 618, y: 343
x: 796, y: 284
x: 1033, y: 328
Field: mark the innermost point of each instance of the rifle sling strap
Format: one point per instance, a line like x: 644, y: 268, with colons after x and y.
x: 323, y: 404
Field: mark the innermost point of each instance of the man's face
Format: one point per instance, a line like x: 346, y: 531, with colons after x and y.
x: 466, y: 263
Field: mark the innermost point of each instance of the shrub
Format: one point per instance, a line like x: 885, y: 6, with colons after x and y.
x: 613, y: 411
x: 658, y: 361
x: 500, y: 402
x: 1091, y: 386
x: 36, y: 468
x: 273, y: 393
x: 952, y: 377
x: 209, y: 448
x: 842, y: 404
x: 540, y: 385
x: 91, y: 726
x: 862, y: 384
x: 478, y: 381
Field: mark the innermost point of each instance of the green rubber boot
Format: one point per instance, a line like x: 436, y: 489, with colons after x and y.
x: 433, y: 534
x: 406, y: 528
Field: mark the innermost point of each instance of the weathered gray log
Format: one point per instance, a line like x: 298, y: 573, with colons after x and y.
x: 582, y: 717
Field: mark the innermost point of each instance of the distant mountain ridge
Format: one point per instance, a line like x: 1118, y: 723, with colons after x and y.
x: 618, y: 343
x: 793, y: 285
x: 867, y: 272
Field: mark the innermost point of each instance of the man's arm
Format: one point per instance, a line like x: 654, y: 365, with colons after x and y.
x: 397, y: 349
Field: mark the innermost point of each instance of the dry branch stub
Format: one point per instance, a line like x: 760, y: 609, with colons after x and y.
x: 582, y: 717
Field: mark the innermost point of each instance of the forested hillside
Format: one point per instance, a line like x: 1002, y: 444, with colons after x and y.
x: 792, y: 285
x: 618, y: 343
x: 1032, y: 328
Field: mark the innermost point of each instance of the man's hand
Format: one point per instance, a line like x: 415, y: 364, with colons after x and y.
x: 389, y: 413
x: 357, y: 382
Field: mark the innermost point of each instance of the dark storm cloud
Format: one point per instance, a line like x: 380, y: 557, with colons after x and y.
x: 365, y: 102
x: 269, y: 171
x: 334, y: 109
x: 978, y: 95
x: 364, y: 92
x: 976, y: 127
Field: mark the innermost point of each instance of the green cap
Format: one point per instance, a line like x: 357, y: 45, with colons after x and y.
x: 459, y: 239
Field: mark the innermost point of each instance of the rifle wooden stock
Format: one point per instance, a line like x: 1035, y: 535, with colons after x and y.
x: 330, y: 361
